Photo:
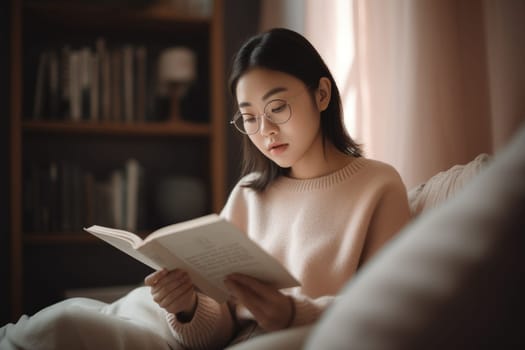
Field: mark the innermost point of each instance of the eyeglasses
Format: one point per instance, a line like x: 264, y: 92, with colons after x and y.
x: 277, y: 111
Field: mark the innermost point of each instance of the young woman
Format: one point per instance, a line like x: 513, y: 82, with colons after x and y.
x: 308, y: 197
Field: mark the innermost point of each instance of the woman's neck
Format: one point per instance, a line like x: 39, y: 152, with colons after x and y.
x: 330, y: 161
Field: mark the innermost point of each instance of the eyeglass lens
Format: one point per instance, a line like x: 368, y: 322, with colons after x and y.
x: 277, y: 111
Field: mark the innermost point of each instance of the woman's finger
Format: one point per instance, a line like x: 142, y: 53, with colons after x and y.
x: 179, y: 298
x: 172, y: 287
x: 154, y: 277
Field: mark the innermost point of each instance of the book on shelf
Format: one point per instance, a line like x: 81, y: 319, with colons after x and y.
x: 61, y: 196
x: 115, y: 200
x: 116, y: 85
x: 41, y: 78
x: 104, y: 72
x: 46, y: 100
x: 128, y: 83
x: 141, y: 85
x: 209, y: 248
x: 94, y: 83
x: 133, y: 192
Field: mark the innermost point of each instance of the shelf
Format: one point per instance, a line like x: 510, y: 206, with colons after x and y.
x: 38, y: 238
x: 83, y: 15
x: 53, y: 238
x: 119, y: 128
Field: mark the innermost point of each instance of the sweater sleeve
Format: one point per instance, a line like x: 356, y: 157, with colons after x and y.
x: 210, y: 328
x: 308, y: 310
x: 391, y: 213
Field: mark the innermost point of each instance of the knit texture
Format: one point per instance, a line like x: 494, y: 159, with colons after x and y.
x: 321, y: 229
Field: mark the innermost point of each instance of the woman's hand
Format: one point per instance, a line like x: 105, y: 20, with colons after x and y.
x: 272, y: 309
x: 173, y: 291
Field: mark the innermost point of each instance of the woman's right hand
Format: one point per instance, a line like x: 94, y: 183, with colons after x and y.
x: 173, y: 291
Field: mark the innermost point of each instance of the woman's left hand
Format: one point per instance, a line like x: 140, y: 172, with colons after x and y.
x: 271, y: 309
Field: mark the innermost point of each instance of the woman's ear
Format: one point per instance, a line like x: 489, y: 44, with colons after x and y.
x: 324, y: 93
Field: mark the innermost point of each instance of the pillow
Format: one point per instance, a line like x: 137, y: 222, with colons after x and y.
x: 452, y: 279
x: 444, y: 184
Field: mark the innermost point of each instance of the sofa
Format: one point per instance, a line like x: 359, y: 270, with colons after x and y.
x: 453, y: 278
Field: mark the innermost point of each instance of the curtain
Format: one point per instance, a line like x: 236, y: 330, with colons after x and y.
x: 424, y: 104
x: 426, y: 84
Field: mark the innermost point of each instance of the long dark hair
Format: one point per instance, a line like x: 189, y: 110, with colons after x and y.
x: 289, y: 52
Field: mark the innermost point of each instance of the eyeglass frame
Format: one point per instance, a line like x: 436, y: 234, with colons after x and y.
x: 239, y: 114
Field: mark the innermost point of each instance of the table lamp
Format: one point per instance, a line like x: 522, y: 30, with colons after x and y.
x: 177, y: 72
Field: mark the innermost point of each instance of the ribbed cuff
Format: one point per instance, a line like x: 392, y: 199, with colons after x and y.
x: 205, y: 328
x: 306, y: 312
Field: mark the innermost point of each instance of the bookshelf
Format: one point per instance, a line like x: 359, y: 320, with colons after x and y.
x: 49, y: 257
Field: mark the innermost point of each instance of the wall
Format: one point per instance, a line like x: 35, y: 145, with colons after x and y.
x: 282, y: 13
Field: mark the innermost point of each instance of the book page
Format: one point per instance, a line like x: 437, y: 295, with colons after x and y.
x: 123, y: 241
x: 183, y: 226
x: 218, y: 261
x: 130, y: 237
x: 219, y: 249
x: 169, y: 261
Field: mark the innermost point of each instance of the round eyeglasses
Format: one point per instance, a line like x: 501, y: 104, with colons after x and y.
x: 276, y: 111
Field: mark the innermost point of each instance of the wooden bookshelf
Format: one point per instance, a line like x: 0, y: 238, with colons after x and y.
x: 136, y: 128
x: 187, y: 147
x: 85, y: 14
x: 44, y: 238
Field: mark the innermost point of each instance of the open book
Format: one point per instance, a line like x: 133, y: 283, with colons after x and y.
x: 208, y: 248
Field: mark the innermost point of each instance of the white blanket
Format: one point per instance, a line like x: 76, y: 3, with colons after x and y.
x: 132, y: 322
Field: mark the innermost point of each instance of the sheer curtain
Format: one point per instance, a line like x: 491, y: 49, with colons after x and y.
x: 426, y: 84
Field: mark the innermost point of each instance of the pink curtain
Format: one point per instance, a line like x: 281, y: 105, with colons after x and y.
x: 426, y: 84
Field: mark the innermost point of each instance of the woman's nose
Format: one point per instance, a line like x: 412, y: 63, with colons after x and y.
x: 267, y: 127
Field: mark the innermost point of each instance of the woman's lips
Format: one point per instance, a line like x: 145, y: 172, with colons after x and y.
x: 277, y: 149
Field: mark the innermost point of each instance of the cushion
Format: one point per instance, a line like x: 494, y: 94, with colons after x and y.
x: 444, y: 184
x: 452, y: 279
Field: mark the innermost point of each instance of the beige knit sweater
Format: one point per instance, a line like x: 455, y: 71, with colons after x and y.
x: 321, y: 229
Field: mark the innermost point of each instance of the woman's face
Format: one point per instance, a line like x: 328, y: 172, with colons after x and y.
x: 295, y: 144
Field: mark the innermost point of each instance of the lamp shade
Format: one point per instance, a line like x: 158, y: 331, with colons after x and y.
x: 177, y: 65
